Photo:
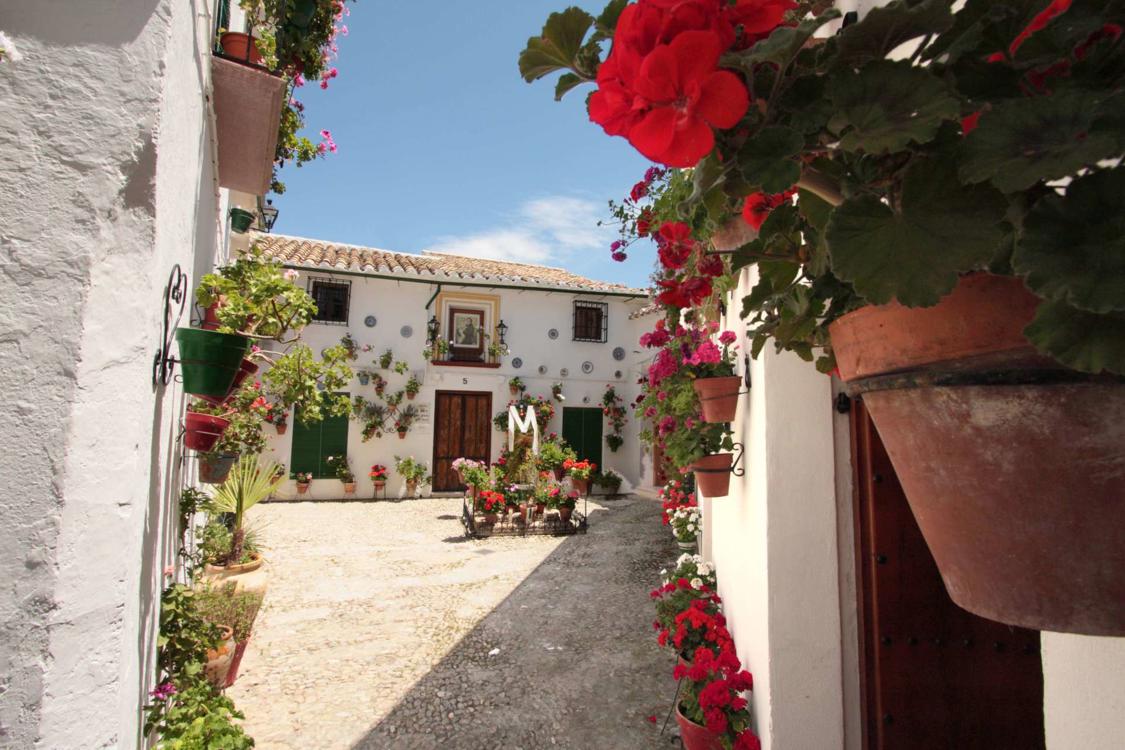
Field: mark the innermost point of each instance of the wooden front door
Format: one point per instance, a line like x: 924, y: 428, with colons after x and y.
x: 462, y: 428
x: 933, y: 675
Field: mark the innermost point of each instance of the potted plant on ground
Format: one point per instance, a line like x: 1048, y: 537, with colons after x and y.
x: 610, y: 480
x: 342, y: 466
x: 474, y: 474
x: 490, y: 504
x: 563, y: 502
x: 378, y: 476
x: 413, y: 472
x: 580, y: 472
x: 686, y: 525
x: 935, y: 226
x: 412, y: 387
x: 303, y: 479
x: 248, y: 484
x: 553, y: 453
x: 236, y: 610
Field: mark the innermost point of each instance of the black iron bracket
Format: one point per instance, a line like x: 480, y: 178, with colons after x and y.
x: 175, y: 299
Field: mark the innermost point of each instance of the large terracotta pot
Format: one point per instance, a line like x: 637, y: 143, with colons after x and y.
x: 249, y: 576
x: 219, y: 659
x: 582, y: 486
x: 302, y: 487
x: 1014, y: 466
x: 236, y: 661
x: 696, y: 736
x: 240, y: 46
x: 349, y: 488
x: 718, y: 397
x: 565, y: 513
x: 712, y: 474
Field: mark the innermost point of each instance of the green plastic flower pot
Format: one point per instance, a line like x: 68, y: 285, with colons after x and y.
x: 241, y: 220
x: 209, y: 361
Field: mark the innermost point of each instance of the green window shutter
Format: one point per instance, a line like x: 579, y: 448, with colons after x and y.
x: 315, y: 442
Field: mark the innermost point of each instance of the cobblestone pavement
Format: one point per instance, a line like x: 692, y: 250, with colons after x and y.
x: 384, y: 628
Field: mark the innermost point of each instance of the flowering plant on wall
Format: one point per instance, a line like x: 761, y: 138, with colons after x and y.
x: 544, y: 411
x: 851, y: 178
x: 686, y: 523
x: 613, y: 409
x: 673, y: 497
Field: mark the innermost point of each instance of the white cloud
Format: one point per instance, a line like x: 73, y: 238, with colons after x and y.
x: 542, y: 231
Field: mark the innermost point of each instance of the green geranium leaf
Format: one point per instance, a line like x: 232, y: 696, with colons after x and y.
x: 885, y: 28
x: 785, y: 42
x: 567, y: 81
x: 816, y: 212
x: 558, y: 46
x: 1022, y: 141
x: 607, y: 19
x: 888, y: 105
x: 1073, y: 248
x: 806, y: 104
x: 915, y: 253
x: 767, y: 159
x: 1081, y: 340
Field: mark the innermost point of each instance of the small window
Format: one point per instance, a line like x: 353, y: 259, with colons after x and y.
x: 331, y: 298
x: 591, y: 321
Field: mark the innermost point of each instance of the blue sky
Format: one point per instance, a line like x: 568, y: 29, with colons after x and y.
x: 443, y: 146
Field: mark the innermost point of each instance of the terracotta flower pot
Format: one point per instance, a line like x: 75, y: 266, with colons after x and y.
x: 349, y: 488
x: 559, y: 473
x: 402, y: 434
x: 302, y: 487
x: 718, y: 397
x: 219, y: 659
x: 202, y: 431
x: 565, y: 513
x: 249, y: 576
x: 696, y: 736
x: 210, y: 320
x: 379, y: 483
x: 240, y: 47
x: 1012, y: 464
x: 712, y: 474
x: 281, y: 428
x: 236, y: 661
x: 410, y: 396
x: 411, y: 489
x: 540, y: 509
x: 214, y: 469
x: 490, y: 518
x: 581, y: 485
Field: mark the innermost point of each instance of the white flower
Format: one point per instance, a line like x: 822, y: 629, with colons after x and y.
x: 8, y: 49
x: 291, y: 275
x: 663, y: 571
x: 696, y: 583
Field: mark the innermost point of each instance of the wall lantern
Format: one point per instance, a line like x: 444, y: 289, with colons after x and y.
x: 268, y: 216
x: 432, y: 330
x: 502, y: 331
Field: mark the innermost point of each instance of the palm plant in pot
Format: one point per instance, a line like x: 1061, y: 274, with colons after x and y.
x: 944, y: 227
x: 249, y: 483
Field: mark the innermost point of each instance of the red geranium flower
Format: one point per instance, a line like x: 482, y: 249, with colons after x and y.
x: 688, y: 95
x: 758, y: 18
x: 675, y: 244
x: 758, y: 206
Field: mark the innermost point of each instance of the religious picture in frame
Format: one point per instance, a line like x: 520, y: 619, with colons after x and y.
x: 466, y: 333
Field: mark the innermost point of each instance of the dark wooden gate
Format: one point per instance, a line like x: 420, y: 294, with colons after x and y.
x: 462, y: 428
x: 933, y: 675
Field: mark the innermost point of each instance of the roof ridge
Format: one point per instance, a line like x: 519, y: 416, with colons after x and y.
x: 508, y: 262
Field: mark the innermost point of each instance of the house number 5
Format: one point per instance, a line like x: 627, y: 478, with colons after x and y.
x: 464, y: 381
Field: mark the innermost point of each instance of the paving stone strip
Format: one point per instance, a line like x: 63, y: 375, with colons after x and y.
x: 384, y: 628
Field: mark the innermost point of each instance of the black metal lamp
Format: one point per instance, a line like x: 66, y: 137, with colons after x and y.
x: 268, y: 216
x: 432, y: 329
x: 502, y: 331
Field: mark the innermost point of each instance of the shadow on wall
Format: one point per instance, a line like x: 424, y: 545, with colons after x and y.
x: 65, y: 22
x: 567, y: 660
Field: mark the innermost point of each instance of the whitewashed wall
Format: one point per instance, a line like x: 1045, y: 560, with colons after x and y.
x: 529, y: 314
x: 1083, y: 692
x: 106, y: 176
x: 774, y: 542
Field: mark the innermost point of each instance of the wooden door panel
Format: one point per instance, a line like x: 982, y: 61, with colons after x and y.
x: 935, y: 676
x: 461, y: 429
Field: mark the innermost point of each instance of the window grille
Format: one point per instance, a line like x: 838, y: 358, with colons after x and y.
x: 591, y: 321
x: 331, y: 298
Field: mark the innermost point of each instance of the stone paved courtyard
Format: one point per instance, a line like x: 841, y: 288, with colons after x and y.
x: 384, y: 628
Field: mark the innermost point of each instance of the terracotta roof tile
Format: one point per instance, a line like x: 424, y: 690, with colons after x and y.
x: 299, y: 251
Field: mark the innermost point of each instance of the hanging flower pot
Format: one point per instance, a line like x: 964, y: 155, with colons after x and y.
x: 712, y: 473
x: 402, y: 434
x: 210, y: 361
x: 363, y: 377
x: 239, y: 46
x: 241, y: 220
x: 245, y: 369
x: 213, y: 469
x: 410, y: 395
x: 281, y: 427
x: 202, y: 431
x: 1012, y: 465
x: 696, y: 736
x: 210, y: 320
x: 718, y: 397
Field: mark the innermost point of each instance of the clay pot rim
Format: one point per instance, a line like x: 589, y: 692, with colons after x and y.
x: 256, y: 561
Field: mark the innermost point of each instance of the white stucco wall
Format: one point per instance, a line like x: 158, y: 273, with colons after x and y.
x: 529, y: 314
x: 774, y: 543
x: 106, y: 176
x: 1083, y: 692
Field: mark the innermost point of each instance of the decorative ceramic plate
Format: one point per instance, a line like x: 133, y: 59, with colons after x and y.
x: 619, y: 353
x: 553, y: 333
x: 564, y: 372
x: 517, y: 363
x: 370, y: 321
x: 587, y: 367
x: 542, y: 369
x: 406, y: 332
x: 617, y: 374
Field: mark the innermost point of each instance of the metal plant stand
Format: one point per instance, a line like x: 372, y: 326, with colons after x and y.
x: 549, y: 524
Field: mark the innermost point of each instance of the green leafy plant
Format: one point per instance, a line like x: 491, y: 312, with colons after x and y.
x: 553, y: 452
x: 342, y: 466
x: 413, y: 386
x: 372, y: 415
x: 256, y: 297
x: 860, y: 179
x: 313, y: 386
x: 405, y: 417
x: 386, y: 359
x: 516, y: 385
x: 401, y: 367
x: 437, y: 350
x: 248, y: 484
x: 412, y: 471
x: 225, y: 605
x: 610, y: 480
